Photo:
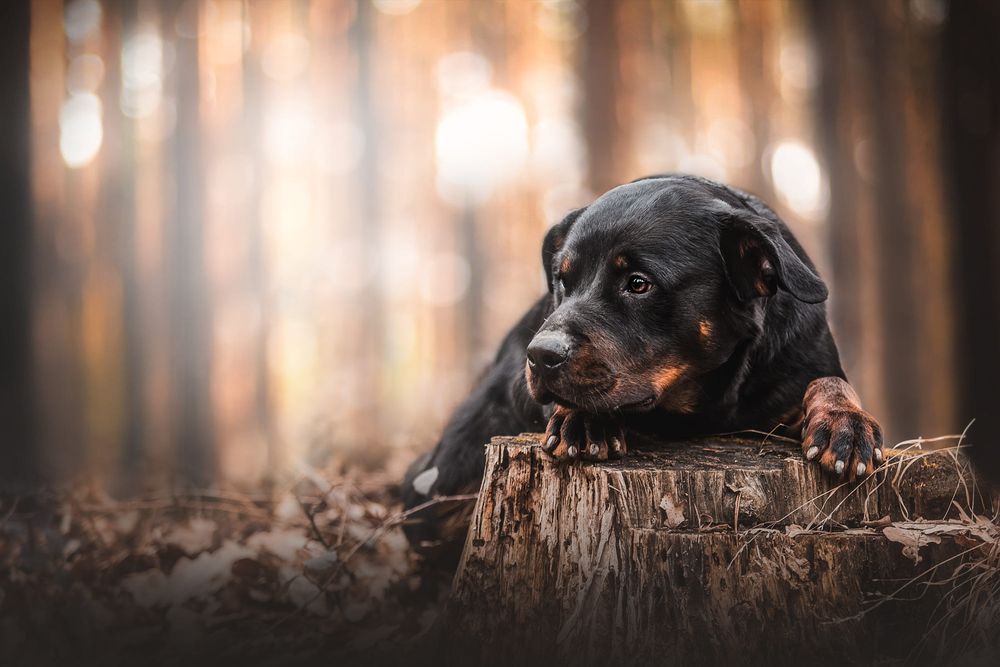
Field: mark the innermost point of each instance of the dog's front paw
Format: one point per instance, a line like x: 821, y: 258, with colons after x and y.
x: 844, y: 439
x: 573, y: 434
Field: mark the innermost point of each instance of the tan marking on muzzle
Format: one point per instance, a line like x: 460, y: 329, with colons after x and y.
x: 665, y: 377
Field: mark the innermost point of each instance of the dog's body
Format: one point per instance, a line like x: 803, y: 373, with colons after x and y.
x: 677, y: 306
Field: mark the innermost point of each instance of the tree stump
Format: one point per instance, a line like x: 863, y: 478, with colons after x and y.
x: 722, y: 549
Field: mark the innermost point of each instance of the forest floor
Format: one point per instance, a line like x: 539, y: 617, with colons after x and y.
x: 317, y: 573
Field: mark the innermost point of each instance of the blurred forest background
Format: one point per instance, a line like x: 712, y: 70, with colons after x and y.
x: 244, y: 235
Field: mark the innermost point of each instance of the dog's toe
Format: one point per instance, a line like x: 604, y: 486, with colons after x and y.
x: 595, y: 448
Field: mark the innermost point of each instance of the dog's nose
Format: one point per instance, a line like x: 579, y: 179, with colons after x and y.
x: 548, y: 349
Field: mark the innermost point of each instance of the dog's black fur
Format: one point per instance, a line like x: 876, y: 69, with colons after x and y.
x: 676, y: 306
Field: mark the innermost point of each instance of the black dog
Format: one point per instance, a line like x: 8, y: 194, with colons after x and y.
x: 677, y: 306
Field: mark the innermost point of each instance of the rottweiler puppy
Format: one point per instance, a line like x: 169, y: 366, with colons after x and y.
x: 677, y: 307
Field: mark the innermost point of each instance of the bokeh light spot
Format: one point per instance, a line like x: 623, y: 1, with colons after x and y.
x: 798, y: 179
x: 396, y: 7
x: 81, y: 19
x: 288, y: 131
x: 144, y: 62
x: 80, y: 129
x: 480, y: 143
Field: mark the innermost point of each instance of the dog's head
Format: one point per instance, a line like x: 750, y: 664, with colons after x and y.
x: 654, y: 286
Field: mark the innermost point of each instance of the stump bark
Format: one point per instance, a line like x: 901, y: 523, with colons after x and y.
x: 722, y: 549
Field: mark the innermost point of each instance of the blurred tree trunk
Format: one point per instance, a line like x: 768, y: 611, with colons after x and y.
x: 890, y: 306
x: 190, y: 323
x: 18, y: 457
x: 600, y: 74
x: 833, y: 99
x: 752, y: 31
x: 678, y: 41
x: 370, y: 309
x: 970, y: 99
x: 119, y: 204
x: 135, y: 349
x: 257, y: 269
x: 897, y: 272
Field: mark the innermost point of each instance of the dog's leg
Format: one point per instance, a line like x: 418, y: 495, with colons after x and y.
x: 499, y: 405
x: 455, y: 466
x: 844, y: 439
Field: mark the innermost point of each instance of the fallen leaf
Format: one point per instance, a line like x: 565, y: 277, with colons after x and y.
x: 147, y: 588
x: 911, y: 539
x: 320, y: 565
x: 288, y: 508
x: 675, y: 514
x: 283, y: 542
x: 71, y: 547
x: 195, y: 536
x: 190, y: 578
x: 793, y: 529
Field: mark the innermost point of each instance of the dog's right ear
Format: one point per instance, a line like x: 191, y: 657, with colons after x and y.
x: 759, y: 260
x: 554, y: 241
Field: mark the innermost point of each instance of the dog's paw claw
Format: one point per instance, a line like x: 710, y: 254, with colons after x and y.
x: 617, y: 448
x: 573, y: 435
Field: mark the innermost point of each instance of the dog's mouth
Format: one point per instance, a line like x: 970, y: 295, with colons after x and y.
x: 636, y: 406
x: 633, y: 406
x: 593, y: 397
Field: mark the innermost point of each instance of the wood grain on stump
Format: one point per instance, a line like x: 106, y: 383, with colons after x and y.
x: 717, y: 549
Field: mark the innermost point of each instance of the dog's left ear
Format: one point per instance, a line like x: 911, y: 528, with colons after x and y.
x: 759, y: 259
x: 554, y: 239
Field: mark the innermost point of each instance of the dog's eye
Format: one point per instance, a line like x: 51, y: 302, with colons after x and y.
x: 638, y: 285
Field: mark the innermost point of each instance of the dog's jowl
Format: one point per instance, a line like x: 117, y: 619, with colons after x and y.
x: 676, y: 306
